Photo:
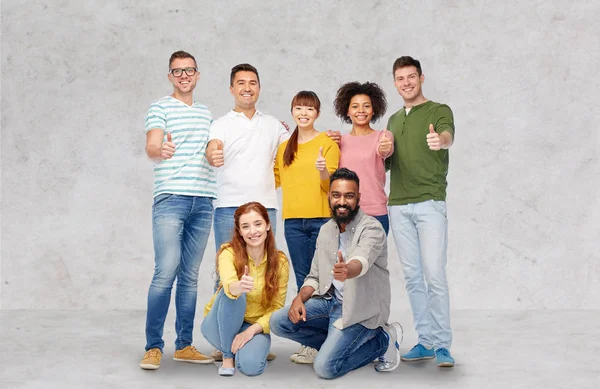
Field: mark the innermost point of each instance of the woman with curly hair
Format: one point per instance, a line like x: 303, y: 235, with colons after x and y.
x: 364, y: 149
x: 253, y: 284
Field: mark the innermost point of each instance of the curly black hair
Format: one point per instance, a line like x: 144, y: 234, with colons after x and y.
x: 351, y: 89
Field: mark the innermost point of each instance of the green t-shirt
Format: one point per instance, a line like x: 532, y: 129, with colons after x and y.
x: 417, y: 173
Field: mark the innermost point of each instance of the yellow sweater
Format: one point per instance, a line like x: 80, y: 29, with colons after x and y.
x: 255, y: 313
x: 304, y: 194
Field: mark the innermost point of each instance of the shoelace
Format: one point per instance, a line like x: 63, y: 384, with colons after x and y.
x: 443, y: 352
x: 153, y: 354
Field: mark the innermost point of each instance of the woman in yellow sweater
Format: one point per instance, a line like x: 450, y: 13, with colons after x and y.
x: 254, y: 278
x: 302, y: 168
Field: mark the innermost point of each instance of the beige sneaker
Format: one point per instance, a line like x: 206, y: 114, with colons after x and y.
x: 218, y: 356
x: 190, y: 354
x: 306, y: 355
x: 151, y: 360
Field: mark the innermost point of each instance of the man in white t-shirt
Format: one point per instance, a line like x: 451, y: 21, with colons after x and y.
x: 242, y: 147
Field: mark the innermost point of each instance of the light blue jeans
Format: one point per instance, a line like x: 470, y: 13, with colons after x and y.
x: 224, y: 224
x: 224, y: 321
x: 340, y: 351
x: 180, y: 230
x: 420, y: 232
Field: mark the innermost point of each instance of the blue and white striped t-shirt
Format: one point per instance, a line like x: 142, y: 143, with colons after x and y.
x: 188, y: 171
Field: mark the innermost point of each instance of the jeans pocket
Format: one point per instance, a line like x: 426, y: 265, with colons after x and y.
x: 161, y: 199
x: 439, y: 206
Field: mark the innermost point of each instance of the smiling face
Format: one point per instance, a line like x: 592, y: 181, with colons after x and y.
x: 408, y: 83
x: 360, y: 110
x: 245, y: 89
x: 343, y: 200
x: 253, y: 228
x: 305, y: 116
x: 184, y: 84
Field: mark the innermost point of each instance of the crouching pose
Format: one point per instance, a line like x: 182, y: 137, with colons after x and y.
x: 254, y: 278
x: 343, y: 306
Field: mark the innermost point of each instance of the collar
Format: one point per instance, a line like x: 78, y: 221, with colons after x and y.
x: 233, y: 115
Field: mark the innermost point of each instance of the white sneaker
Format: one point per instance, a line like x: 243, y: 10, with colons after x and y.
x: 294, y: 355
x: 306, y: 355
x: 391, y: 359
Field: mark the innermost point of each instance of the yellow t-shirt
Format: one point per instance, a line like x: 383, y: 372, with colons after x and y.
x: 255, y: 313
x: 304, y: 194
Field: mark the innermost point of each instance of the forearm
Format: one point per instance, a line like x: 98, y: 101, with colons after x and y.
x: 255, y: 328
x: 354, y: 268
x: 153, y: 152
x: 305, y: 293
x: 446, y: 139
x: 235, y: 288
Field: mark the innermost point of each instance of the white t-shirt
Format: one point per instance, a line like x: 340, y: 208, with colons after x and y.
x: 249, y: 149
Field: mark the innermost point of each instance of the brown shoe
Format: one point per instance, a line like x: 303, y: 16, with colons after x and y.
x: 151, y: 360
x: 190, y: 354
x: 218, y: 356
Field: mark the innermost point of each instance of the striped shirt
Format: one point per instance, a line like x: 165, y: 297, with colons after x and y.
x: 187, y: 172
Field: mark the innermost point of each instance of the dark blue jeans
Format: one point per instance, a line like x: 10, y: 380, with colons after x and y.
x: 301, y: 238
x: 385, y: 222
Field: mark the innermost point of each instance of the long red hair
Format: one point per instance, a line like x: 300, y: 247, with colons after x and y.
x: 240, y: 255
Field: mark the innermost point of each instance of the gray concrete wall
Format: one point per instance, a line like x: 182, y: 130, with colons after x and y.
x: 77, y: 79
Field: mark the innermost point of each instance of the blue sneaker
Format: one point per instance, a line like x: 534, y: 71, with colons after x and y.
x: 443, y: 357
x: 417, y: 353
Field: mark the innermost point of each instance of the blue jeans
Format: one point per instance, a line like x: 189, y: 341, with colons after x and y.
x: 340, y: 351
x: 180, y: 230
x: 224, y: 225
x: 224, y: 321
x: 421, y: 235
x: 301, y: 238
x: 385, y: 222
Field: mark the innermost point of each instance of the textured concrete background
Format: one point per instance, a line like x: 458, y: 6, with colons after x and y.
x: 78, y: 77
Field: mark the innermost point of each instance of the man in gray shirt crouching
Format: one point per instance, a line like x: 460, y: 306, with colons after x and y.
x: 344, y: 304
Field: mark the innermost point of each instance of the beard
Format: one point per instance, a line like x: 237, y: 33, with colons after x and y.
x: 344, y: 219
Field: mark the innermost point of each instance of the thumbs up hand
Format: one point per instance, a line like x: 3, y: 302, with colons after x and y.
x: 168, y: 148
x: 246, y: 282
x: 385, y: 145
x: 217, y: 157
x: 321, y: 163
x: 340, y: 269
x: 433, y: 139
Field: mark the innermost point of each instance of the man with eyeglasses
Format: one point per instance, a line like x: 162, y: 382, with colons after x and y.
x: 177, y: 130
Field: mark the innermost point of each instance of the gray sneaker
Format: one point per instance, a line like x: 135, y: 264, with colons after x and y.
x: 306, y: 355
x: 391, y: 359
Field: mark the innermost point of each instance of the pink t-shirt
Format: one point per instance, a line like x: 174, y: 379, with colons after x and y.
x: 360, y: 154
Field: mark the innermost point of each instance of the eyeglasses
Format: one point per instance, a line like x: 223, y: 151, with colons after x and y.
x: 178, y: 72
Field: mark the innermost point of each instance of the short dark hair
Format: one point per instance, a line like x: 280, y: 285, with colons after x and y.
x: 180, y: 55
x: 344, y: 174
x: 351, y: 89
x: 243, y: 67
x: 405, y: 61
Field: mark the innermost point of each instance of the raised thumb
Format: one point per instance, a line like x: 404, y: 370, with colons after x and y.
x: 321, y: 151
x: 340, y: 257
x: 219, y: 145
x: 431, y: 130
x: 169, y: 137
x: 246, y: 272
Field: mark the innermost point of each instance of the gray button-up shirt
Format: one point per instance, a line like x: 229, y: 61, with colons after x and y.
x: 366, y: 297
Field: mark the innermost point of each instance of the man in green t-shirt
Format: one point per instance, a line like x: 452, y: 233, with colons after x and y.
x: 423, y: 132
